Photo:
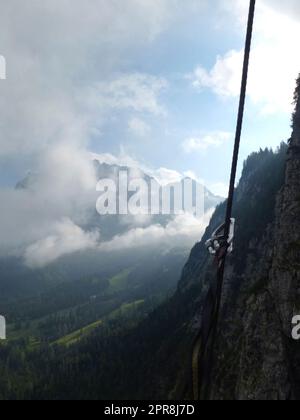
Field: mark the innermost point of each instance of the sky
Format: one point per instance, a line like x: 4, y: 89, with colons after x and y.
x: 156, y: 80
x: 153, y: 82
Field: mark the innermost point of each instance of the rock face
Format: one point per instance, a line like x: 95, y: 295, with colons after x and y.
x: 283, y: 288
x: 257, y: 357
x: 253, y: 350
x: 269, y: 361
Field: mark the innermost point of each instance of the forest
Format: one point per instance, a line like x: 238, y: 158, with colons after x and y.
x: 110, y: 338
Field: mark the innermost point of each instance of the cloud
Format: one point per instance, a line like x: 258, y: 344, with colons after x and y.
x: 123, y: 159
x: 49, y: 219
x: 224, y: 78
x: 138, y: 127
x: 274, y: 61
x: 200, y: 144
x: 193, y: 176
x: 288, y: 7
x: 67, y: 238
x: 63, y: 83
x: 181, y: 232
x: 220, y: 189
x: 62, y: 188
x: 136, y: 92
x: 67, y: 76
x: 59, y: 52
x: 166, y: 176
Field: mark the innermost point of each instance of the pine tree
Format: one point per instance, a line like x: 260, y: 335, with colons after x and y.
x: 296, y: 115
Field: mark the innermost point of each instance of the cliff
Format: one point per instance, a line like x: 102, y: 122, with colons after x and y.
x: 257, y: 358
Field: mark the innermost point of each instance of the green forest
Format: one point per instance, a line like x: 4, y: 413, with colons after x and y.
x: 126, y: 336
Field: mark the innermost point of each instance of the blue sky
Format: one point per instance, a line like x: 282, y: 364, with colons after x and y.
x: 156, y: 81
x: 190, y: 112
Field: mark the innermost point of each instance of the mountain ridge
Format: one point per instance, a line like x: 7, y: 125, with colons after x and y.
x: 152, y: 359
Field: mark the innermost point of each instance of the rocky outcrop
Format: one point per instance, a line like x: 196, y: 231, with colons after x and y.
x: 257, y: 357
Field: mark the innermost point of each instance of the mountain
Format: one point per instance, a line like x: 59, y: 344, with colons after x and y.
x: 112, y: 171
x: 144, y: 352
x: 113, y: 256
x: 113, y: 225
x: 109, y: 289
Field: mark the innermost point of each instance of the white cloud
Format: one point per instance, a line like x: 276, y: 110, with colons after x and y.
x: 181, y: 232
x: 200, y: 144
x: 274, y: 61
x: 58, y: 54
x: 123, y: 159
x: 220, y: 189
x: 63, y: 83
x: 63, y: 188
x: 138, y: 127
x: 136, y: 92
x: 192, y: 175
x: 43, y: 223
x: 288, y: 7
x: 66, y: 239
x: 224, y: 78
x: 61, y: 50
x: 166, y: 176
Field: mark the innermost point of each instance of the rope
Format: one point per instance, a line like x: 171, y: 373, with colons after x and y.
x: 203, y: 351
